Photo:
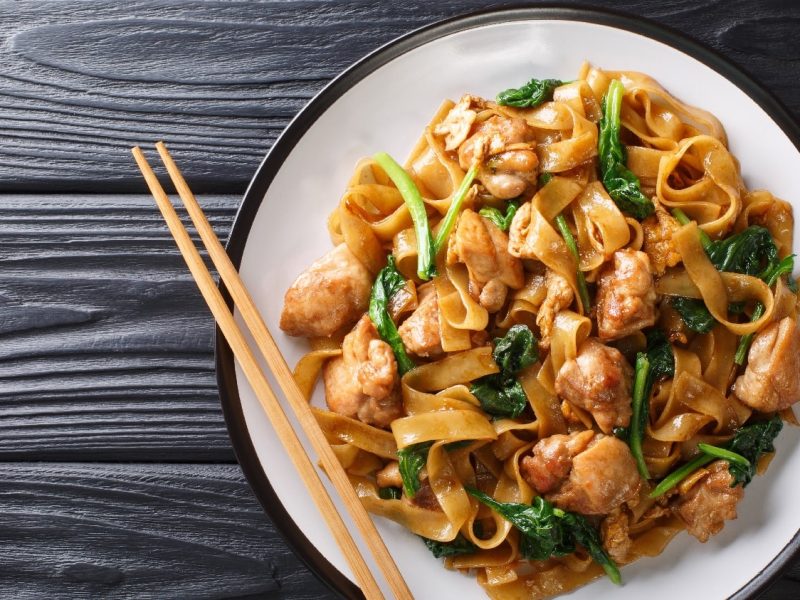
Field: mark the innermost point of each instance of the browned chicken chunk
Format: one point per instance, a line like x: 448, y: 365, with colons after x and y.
x: 328, y: 296
x: 458, y: 122
x: 658, y: 244
x: 615, y: 533
x: 559, y: 297
x: 483, y: 248
x: 599, y: 380
x: 626, y: 296
x: 583, y: 472
x: 709, y: 502
x: 363, y: 382
x: 771, y: 381
x: 420, y: 332
x: 503, y: 147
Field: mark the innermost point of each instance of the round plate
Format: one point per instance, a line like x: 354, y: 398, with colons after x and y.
x: 383, y: 103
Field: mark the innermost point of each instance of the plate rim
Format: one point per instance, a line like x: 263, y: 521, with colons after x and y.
x: 239, y: 232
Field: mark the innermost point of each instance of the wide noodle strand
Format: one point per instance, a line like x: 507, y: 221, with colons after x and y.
x: 680, y: 156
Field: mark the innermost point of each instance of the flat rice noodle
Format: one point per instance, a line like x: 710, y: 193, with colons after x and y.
x: 714, y: 200
x: 716, y: 289
x: 602, y: 228
x: 432, y: 524
x: 446, y: 425
x: 339, y: 429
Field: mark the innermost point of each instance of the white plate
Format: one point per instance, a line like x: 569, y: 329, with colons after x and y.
x: 383, y: 103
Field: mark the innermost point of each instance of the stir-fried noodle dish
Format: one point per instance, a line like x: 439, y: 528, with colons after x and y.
x: 562, y: 332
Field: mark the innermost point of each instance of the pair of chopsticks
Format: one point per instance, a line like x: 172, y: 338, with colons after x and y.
x: 282, y: 374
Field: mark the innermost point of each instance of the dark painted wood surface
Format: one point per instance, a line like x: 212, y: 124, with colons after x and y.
x: 106, y: 360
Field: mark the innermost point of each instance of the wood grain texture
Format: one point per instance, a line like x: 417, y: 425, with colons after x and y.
x: 80, y: 83
x: 107, y: 346
x: 140, y: 531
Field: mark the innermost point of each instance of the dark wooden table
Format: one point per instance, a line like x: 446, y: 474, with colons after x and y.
x: 118, y: 479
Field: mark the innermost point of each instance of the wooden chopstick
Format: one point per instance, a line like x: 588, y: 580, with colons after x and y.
x: 282, y: 374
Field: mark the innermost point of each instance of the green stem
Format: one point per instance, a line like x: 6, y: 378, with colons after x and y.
x: 747, y: 339
x: 678, y: 475
x: 413, y: 199
x: 454, y: 209
x: 682, y: 218
x: 639, y: 419
x: 572, y: 245
x: 717, y: 452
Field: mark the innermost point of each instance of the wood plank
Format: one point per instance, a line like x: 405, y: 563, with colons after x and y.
x: 107, y: 349
x: 221, y: 80
x: 144, y: 531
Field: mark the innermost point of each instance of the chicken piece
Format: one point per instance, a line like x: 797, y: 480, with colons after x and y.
x: 559, y: 296
x: 598, y: 380
x: 615, y: 534
x: 420, y: 332
x: 658, y: 245
x: 503, y: 147
x: 328, y: 296
x: 710, y: 502
x: 483, y: 247
x: 551, y: 461
x: 771, y: 382
x: 456, y: 125
x: 363, y: 382
x: 389, y: 476
x: 583, y: 472
x: 626, y: 296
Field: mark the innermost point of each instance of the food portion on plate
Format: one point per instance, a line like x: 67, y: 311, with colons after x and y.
x: 563, y: 332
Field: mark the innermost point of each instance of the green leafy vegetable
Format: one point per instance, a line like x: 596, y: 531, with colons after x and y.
x: 770, y: 276
x: 583, y: 291
x: 622, y: 433
x: 389, y: 493
x: 778, y: 269
x: 460, y: 545
x: 529, y: 95
x: 751, y: 252
x: 387, y: 283
x: 544, y: 179
x: 500, y: 397
x: 516, y: 350
x: 744, y: 342
x: 731, y: 457
x: 659, y: 352
x: 411, y: 459
x: 620, y: 182
x: 453, y: 210
x: 678, y: 475
x: 548, y: 531
x: 416, y: 207
x: 682, y: 218
x: 657, y: 362
x: 588, y: 537
x: 640, y: 410
x: 694, y: 314
x: 501, y: 394
x: 749, y: 443
x: 502, y: 221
